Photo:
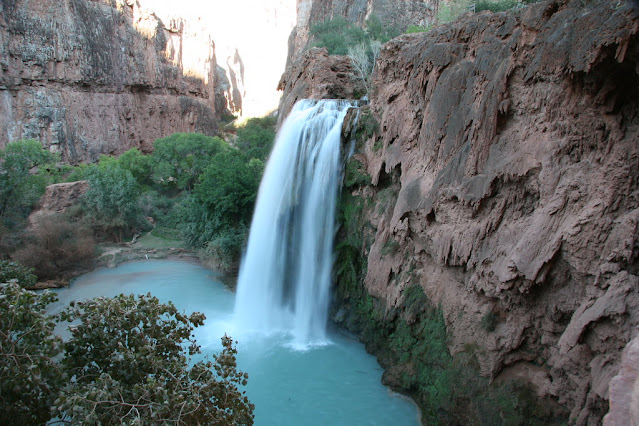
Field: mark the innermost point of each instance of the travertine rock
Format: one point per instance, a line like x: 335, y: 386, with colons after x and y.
x: 57, y: 198
x: 514, y: 137
x: 318, y: 75
x: 99, y: 77
x: 624, y: 389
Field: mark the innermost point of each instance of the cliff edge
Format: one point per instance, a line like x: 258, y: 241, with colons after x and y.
x: 100, y: 77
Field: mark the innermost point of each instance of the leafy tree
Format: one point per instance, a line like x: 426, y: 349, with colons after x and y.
x: 134, y: 161
x: 29, y: 377
x: 78, y: 172
x: 21, y: 183
x: 225, y: 195
x: 15, y: 271
x: 128, y: 361
x: 255, y: 138
x: 179, y: 159
x: 129, y: 364
x: 111, y: 201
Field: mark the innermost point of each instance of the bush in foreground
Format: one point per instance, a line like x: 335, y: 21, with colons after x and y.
x: 127, y: 362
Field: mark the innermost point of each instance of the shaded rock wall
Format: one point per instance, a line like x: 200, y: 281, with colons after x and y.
x: 513, y: 141
x: 624, y: 389
x: 99, y: 77
x: 516, y: 139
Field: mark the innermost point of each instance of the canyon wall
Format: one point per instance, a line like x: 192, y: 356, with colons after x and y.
x: 99, y: 77
x: 502, y: 157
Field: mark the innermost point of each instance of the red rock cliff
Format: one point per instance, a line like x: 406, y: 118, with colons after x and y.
x: 514, y: 141
x: 99, y: 77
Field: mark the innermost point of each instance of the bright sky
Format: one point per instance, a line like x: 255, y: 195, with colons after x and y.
x: 259, y: 29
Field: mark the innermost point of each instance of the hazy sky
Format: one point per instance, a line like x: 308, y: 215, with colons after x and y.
x: 258, y: 29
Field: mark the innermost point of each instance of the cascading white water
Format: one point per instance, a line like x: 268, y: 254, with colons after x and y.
x: 285, y: 276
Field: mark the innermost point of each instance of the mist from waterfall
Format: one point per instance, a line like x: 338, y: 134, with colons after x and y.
x: 285, y: 276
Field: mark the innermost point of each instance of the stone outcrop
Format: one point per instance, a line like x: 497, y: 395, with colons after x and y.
x: 318, y: 75
x: 624, y: 389
x: 99, y: 77
x: 58, y: 198
x: 511, y: 139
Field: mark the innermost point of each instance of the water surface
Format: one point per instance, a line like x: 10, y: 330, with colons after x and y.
x: 337, y: 383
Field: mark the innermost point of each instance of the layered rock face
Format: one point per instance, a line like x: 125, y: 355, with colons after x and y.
x: 511, y: 140
x: 515, y: 136
x: 99, y: 77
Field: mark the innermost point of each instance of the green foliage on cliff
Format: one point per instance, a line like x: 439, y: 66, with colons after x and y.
x: 128, y: 361
x: 412, y: 29
x: 449, y: 11
x: 362, y: 45
x: 349, y: 265
x: 338, y: 34
x: 496, y: 5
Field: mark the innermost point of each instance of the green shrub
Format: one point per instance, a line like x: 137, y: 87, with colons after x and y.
x: 495, y: 5
x: 337, y: 35
x: 129, y: 360
x: 450, y: 11
x: 179, y: 160
x: 413, y: 29
x: 78, y: 172
x: 255, y: 138
x: 111, y: 202
x: 10, y: 270
x: 355, y: 174
x: 378, y: 30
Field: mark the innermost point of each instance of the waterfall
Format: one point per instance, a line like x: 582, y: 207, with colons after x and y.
x: 285, y: 276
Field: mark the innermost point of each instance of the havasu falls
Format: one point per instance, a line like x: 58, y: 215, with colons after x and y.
x: 285, y: 277
x: 323, y: 377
